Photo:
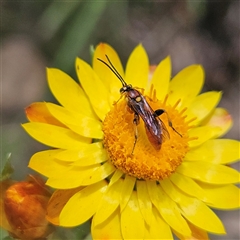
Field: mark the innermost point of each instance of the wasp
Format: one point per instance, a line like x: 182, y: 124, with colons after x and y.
x: 156, y: 130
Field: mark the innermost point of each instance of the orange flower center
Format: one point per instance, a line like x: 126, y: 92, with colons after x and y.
x: 144, y: 161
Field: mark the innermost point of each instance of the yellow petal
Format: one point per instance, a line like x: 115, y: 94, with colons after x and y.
x: 222, y: 197
x: 109, y: 79
x: 127, y: 189
x: 208, y: 172
x: 80, y: 176
x: 92, y: 158
x: 168, y: 209
x: 187, y: 185
x: 203, y: 105
x: 109, y: 203
x: 71, y: 177
x: 94, y: 88
x: 220, y: 151
x: 56, y: 203
x: 109, y: 229
x: 68, y: 92
x: 144, y: 202
x: 38, y: 112
x: 99, y: 174
x: 219, y: 118
x: 82, y: 125
x: 132, y: 222
x: 137, y: 68
x: 197, y: 233
x: 193, y: 209
x: 44, y: 162
x: 116, y: 176
x: 85, y: 201
x: 201, y: 135
x: 158, y: 229
x: 54, y: 136
x: 85, y: 129
x: 186, y: 85
x: 73, y: 155
x: 161, y: 78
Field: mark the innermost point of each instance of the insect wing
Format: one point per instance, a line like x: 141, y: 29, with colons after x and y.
x: 153, y: 123
x: 156, y: 131
x: 165, y: 134
x: 155, y: 128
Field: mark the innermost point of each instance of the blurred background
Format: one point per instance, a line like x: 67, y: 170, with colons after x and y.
x: 40, y: 34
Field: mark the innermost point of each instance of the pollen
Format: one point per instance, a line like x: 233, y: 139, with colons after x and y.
x: 145, y: 162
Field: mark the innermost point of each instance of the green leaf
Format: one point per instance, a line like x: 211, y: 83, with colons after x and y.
x: 5, y: 235
x: 54, y: 17
x: 78, y: 33
x: 7, y: 170
x: 76, y: 233
x: 91, y: 50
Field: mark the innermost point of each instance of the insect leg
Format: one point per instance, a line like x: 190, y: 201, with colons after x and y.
x: 115, y: 102
x: 159, y: 112
x: 136, y: 122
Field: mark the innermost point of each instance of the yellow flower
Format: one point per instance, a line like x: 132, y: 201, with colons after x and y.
x: 140, y: 193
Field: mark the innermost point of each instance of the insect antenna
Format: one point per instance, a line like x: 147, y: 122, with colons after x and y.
x: 113, y: 69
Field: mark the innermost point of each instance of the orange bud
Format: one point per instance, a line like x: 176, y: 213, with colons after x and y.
x: 25, y: 205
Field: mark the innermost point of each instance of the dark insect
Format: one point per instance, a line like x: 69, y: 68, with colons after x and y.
x: 155, y: 129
